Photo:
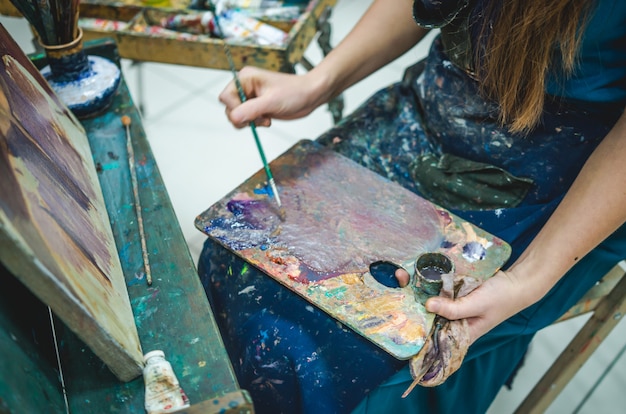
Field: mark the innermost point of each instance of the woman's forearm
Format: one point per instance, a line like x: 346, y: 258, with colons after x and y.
x: 363, y: 51
x: 592, y: 209
x: 367, y: 47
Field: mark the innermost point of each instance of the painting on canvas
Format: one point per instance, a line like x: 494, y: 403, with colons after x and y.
x: 55, y: 234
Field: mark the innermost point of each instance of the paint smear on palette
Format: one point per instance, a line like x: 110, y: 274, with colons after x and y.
x: 336, y: 222
x: 341, y: 218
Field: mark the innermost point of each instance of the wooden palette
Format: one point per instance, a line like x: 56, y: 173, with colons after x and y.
x: 341, y: 219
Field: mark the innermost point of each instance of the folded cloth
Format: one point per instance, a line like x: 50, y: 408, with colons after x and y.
x: 446, y: 346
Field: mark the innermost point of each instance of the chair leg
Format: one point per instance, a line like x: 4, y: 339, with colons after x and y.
x: 606, y: 316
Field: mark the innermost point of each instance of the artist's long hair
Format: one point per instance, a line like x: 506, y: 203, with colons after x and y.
x: 527, y: 38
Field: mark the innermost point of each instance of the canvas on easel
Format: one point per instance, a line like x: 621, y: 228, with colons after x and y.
x: 55, y: 234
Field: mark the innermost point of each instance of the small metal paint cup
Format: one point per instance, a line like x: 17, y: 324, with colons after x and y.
x: 429, y: 267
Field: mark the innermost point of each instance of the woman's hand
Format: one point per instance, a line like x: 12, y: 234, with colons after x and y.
x: 271, y: 95
x: 463, y: 320
x: 495, y: 300
x: 593, y: 207
x: 385, y: 32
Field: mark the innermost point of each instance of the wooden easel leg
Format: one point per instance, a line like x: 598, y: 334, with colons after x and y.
x: 336, y: 105
x: 606, y: 316
x: 139, y: 98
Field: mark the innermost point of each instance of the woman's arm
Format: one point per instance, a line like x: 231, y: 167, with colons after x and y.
x: 593, y: 208
x: 385, y: 32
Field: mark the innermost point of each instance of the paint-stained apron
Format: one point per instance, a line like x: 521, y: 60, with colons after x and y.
x: 434, y: 135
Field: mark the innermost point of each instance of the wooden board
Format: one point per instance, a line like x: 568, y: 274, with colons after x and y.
x: 55, y: 234
x: 341, y: 218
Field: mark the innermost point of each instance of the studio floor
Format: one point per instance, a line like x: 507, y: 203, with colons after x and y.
x: 202, y: 157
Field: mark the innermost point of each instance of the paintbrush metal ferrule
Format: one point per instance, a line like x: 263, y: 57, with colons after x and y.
x: 275, y: 191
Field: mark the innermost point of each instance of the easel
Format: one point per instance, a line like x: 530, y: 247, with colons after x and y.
x: 607, y: 301
x: 172, y: 315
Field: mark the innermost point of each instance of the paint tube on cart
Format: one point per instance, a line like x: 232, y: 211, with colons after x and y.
x: 231, y: 30
x: 158, y: 31
x: 260, y: 4
x: 251, y: 4
x: 163, y: 391
x: 286, y: 13
x: 232, y: 22
x: 200, y: 23
x: 103, y: 25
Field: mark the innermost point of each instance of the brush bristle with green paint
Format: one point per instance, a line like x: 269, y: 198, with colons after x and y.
x: 242, y: 96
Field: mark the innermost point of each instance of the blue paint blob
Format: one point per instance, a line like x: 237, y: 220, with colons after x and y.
x: 250, y: 225
x: 372, y: 322
x: 263, y: 334
x: 266, y: 190
x: 474, y: 251
x: 244, y: 212
x: 447, y: 244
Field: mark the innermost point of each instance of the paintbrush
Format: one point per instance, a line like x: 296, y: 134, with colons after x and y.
x: 133, y: 179
x: 55, y: 21
x: 243, y: 98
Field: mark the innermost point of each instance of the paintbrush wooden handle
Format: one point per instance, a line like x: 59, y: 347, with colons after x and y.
x: 133, y: 178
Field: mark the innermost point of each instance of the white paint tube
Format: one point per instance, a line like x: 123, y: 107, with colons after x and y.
x: 252, y: 4
x: 273, y: 13
x: 163, y: 392
x: 264, y: 33
x: 101, y: 24
x: 203, y: 23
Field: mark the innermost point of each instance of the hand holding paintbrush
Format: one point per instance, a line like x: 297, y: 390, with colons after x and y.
x: 242, y: 96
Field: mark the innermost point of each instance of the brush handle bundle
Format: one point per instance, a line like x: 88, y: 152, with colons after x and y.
x: 55, y: 21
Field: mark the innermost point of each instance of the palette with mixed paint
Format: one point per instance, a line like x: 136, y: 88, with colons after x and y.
x: 345, y: 231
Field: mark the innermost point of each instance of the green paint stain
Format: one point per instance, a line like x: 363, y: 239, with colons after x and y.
x: 140, y: 309
x: 336, y: 293
x: 140, y: 305
x: 110, y: 166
